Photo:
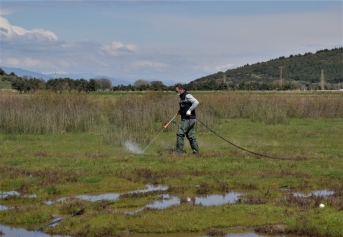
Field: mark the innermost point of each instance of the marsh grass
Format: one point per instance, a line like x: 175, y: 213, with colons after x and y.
x: 136, y: 117
x: 47, y: 114
x: 73, y: 156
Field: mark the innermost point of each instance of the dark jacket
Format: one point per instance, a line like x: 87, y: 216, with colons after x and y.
x: 187, y: 102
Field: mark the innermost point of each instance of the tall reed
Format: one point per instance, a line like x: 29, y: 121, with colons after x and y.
x: 274, y: 108
x: 138, y: 117
x: 47, y: 114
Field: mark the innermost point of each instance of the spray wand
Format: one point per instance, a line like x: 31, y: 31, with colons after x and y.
x: 164, y: 127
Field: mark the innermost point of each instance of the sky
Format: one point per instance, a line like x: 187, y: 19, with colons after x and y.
x: 162, y: 40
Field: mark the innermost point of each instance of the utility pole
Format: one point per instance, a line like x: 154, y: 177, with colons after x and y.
x: 322, y: 80
x: 281, y: 75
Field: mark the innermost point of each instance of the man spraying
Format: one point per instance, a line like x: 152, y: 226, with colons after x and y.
x: 187, y: 111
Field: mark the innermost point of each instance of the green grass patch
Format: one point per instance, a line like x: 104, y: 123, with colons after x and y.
x: 305, y: 155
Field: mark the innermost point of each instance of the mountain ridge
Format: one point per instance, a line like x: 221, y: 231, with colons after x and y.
x: 306, y: 68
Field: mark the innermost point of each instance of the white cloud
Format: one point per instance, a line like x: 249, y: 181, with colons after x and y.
x: 33, y: 62
x: 208, y: 69
x: 53, y: 72
x: 25, y: 62
x: 16, y: 33
x: 118, y: 48
x: 146, y: 63
x: 183, y: 46
x: 223, y: 68
x: 11, y: 61
x: 143, y: 63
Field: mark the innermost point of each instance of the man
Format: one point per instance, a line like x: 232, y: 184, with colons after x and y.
x: 187, y: 111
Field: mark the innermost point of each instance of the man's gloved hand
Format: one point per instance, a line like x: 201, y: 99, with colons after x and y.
x: 188, y: 113
x: 178, y: 112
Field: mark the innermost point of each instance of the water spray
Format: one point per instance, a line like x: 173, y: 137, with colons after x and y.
x: 133, y: 147
x: 164, y: 127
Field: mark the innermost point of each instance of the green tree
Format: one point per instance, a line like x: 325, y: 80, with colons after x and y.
x: 81, y: 85
x: 20, y: 84
x: 104, y: 83
x: 36, y: 84
x: 2, y: 72
x: 157, y: 86
x: 51, y: 85
x: 93, y: 85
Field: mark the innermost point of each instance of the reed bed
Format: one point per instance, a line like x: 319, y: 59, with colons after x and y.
x: 136, y: 117
x: 276, y: 108
x: 47, y: 114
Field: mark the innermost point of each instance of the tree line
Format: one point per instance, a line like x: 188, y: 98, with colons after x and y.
x: 284, y: 73
x: 27, y: 84
x: 208, y: 85
x: 31, y: 84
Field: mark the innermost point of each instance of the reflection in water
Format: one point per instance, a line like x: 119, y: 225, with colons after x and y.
x: 150, y: 188
x: 15, y: 193
x: 209, y: 200
x: 165, y: 201
x: 216, y: 199
x: 319, y: 193
x: 9, y: 193
x: 111, y: 196
x: 21, y: 232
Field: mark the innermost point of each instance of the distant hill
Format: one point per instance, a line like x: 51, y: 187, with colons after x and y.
x: 22, y: 72
x: 302, y: 68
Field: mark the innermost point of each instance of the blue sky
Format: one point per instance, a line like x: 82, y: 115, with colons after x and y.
x: 161, y: 40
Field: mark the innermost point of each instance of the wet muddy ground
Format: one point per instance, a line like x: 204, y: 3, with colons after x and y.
x: 164, y: 200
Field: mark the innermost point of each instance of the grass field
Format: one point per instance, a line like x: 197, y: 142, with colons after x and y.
x: 66, y: 145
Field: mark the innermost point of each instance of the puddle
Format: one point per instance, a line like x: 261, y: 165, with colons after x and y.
x: 166, y: 202
x: 7, y: 194
x: 21, y: 232
x: 323, y: 193
x: 150, y: 188
x: 95, y: 198
x: 111, y: 196
x: 216, y: 199
x: 209, y: 200
x: 15, y: 193
x: 91, y: 198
